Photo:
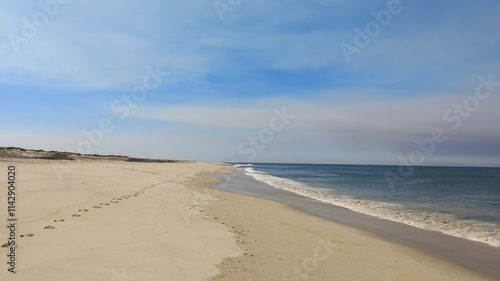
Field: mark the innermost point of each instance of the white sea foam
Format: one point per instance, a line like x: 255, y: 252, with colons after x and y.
x: 243, y: 165
x: 472, y: 230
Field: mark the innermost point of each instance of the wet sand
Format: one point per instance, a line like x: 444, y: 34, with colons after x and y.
x: 472, y: 255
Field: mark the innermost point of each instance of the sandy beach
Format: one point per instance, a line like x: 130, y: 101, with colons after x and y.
x: 232, y: 140
x: 115, y: 220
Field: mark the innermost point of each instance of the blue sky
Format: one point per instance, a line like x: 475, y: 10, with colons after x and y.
x: 227, y: 76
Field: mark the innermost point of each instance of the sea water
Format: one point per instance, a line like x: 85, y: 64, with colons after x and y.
x: 458, y: 201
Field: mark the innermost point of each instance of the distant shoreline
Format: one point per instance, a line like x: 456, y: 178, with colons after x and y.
x: 23, y: 153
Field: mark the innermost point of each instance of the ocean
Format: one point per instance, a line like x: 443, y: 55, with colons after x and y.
x: 458, y: 201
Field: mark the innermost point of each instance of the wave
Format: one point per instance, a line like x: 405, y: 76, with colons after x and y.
x: 242, y: 165
x: 448, y: 224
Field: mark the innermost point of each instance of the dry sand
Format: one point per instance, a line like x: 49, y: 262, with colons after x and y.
x: 164, y: 223
x: 137, y: 226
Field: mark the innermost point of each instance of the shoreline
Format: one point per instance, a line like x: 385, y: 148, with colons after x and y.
x: 428, y: 216
x: 462, y: 254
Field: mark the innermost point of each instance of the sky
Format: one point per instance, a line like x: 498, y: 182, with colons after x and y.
x: 317, y: 81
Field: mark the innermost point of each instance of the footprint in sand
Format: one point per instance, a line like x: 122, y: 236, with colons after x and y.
x: 27, y: 235
x: 96, y: 207
x: 83, y: 210
x: 76, y: 215
x: 49, y: 227
x: 61, y: 220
